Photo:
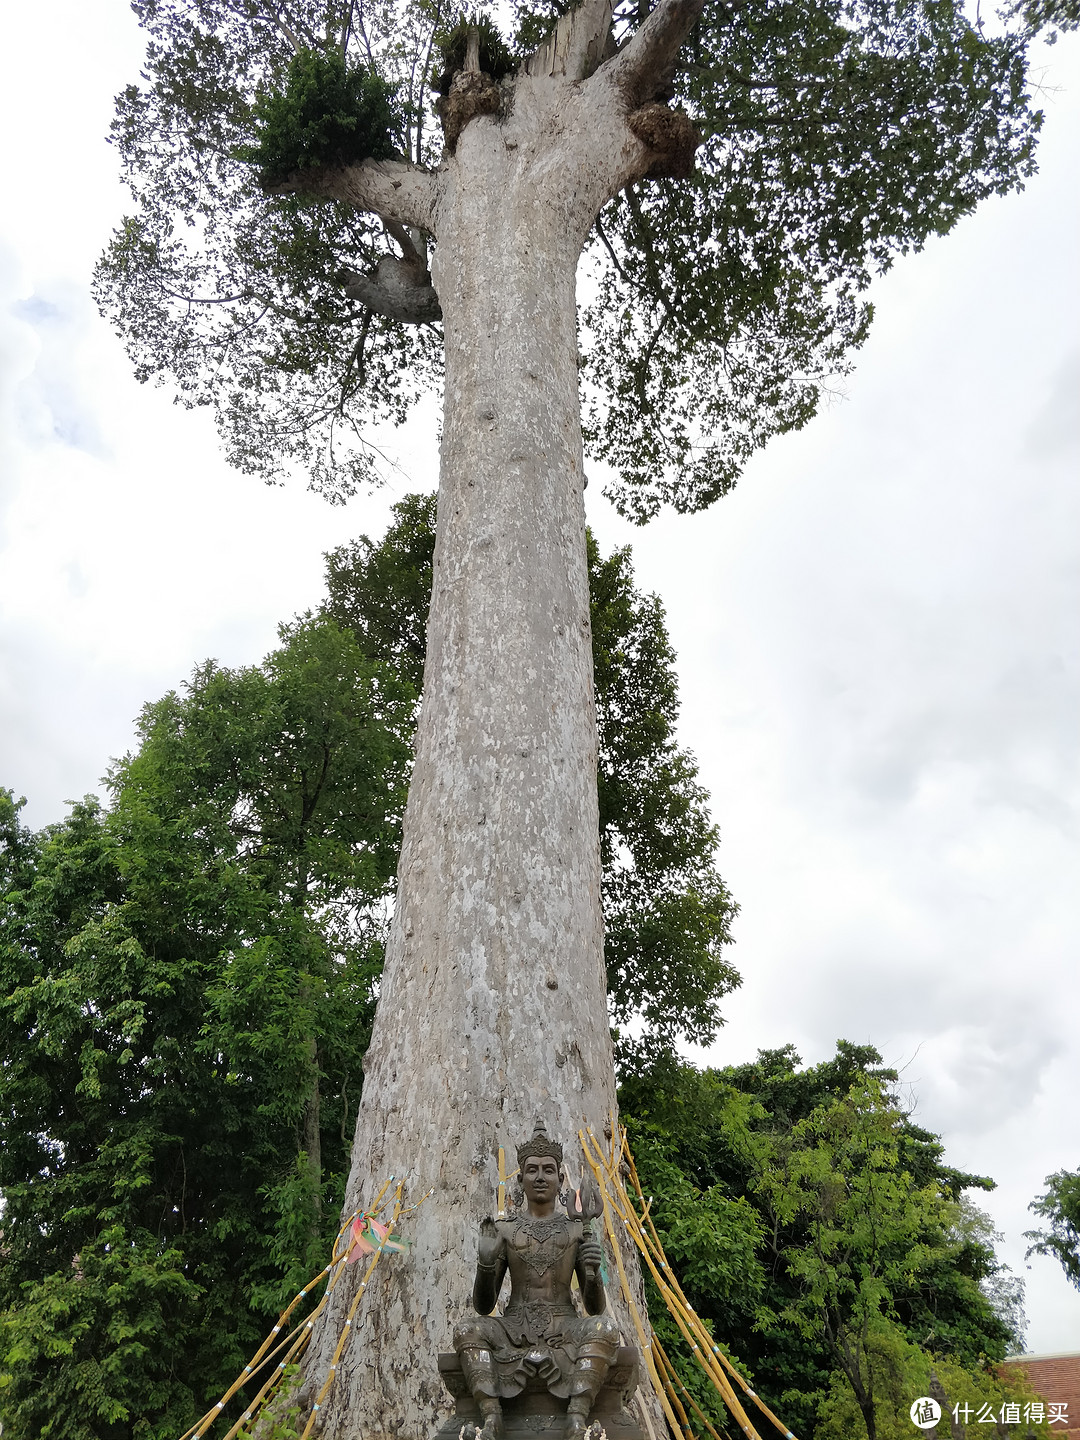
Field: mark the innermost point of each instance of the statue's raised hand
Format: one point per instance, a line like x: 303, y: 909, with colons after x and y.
x: 490, y: 1246
x: 590, y: 1254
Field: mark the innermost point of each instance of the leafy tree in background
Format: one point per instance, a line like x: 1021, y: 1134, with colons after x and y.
x: 381, y: 590
x: 266, y: 802
x: 1061, y: 1207
x: 863, y: 1251
x: 667, y: 913
x: 1003, y: 1289
x: 861, y: 1231
x: 187, y: 984
x: 901, y: 1371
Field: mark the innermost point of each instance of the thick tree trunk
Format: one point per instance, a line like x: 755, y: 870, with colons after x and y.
x: 493, y: 1005
x: 492, y: 1010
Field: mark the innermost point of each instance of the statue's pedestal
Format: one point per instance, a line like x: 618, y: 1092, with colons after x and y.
x: 537, y: 1415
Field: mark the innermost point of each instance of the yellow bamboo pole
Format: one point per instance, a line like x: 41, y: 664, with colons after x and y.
x: 265, y: 1353
x: 700, y: 1329
x: 700, y: 1342
x: 679, y: 1407
x: 674, y: 1375
x: 293, y: 1354
x: 347, y: 1327
x: 703, y: 1357
x: 714, y: 1348
x: 628, y: 1296
x: 261, y: 1357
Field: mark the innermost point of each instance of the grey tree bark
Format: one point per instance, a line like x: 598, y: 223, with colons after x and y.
x: 492, y: 1009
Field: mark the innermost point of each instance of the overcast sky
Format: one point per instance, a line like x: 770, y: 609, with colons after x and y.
x: 877, y: 632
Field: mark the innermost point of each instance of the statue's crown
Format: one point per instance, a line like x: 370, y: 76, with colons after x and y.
x: 540, y: 1144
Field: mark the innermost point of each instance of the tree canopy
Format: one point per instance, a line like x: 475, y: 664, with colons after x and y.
x: 727, y: 296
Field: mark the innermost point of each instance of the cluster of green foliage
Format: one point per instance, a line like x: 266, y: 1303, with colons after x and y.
x: 899, y: 1371
x: 290, y: 400
x: 1049, y: 16
x: 495, y: 56
x: 819, y: 1231
x: 1061, y: 1207
x: 189, y: 975
x: 838, y: 134
x: 323, y: 114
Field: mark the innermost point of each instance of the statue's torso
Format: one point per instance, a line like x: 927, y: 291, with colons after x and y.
x: 540, y: 1255
x: 540, y: 1332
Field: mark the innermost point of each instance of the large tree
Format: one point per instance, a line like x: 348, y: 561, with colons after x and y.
x: 832, y: 134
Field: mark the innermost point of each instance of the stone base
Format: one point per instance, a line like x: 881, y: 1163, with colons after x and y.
x: 535, y: 1414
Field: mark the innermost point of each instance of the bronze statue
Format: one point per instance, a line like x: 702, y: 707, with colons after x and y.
x: 540, y: 1332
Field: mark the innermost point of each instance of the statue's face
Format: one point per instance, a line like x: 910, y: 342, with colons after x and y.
x: 540, y: 1178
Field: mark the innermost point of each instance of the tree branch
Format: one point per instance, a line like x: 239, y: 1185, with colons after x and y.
x: 391, y: 189
x: 398, y: 289
x: 626, y: 278
x: 412, y: 245
x: 646, y: 63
